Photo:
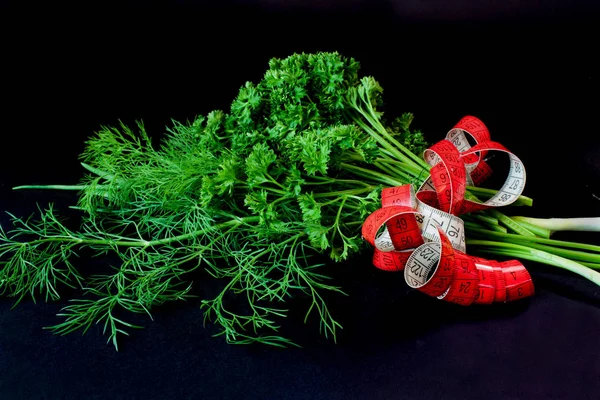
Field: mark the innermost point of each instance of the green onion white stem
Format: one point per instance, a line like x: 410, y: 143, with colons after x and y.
x: 562, y: 224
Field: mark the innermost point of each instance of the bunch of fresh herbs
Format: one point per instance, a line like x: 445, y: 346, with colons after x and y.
x: 258, y: 195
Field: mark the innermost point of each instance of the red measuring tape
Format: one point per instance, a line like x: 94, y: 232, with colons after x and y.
x: 421, y: 234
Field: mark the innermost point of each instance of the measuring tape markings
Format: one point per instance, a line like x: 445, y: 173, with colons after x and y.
x: 391, y: 260
x: 404, y: 231
x: 449, y: 179
x: 431, y: 267
x: 464, y: 288
x: 427, y: 217
x: 438, y: 269
x: 512, y: 187
x: 398, y: 196
x: 430, y: 219
x: 486, y: 287
x: 518, y: 281
x: 387, y: 256
x: 428, y: 243
x: 401, y: 230
x: 500, y: 294
x: 376, y: 220
x: 477, y: 169
x: 447, y: 174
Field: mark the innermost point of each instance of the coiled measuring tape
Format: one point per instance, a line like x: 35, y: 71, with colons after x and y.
x: 421, y: 234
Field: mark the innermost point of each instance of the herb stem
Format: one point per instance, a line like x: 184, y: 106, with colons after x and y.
x: 415, y: 171
x: 563, y: 224
x: 512, y: 237
x: 325, y: 181
x: 385, y: 144
x: 394, y: 171
x: 143, y: 243
x: 376, y: 177
x: 52, y: 187
x: 340, y: 193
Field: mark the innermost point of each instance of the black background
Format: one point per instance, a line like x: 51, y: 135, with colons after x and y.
x: 527, y: 70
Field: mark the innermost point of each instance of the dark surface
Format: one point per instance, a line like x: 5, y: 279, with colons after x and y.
x: 529, y: 75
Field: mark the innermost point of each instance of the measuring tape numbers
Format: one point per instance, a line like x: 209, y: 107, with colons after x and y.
x: 422, y: 234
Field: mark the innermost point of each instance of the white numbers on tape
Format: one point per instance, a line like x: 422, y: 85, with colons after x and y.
x: 384, y: 242
x: 422, y: 264
x: 458, y: 139
x: 513, y: 186
x: 429, y: 218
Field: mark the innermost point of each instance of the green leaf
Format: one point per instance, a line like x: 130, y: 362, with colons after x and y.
x: 315, y: 149
x: 227, y: 176
x: 246, y: 103
x: 256, y: 201
x: 402, y: 123
x: 317, y: 234
x: 258, y: 163
x: 293, y: 181
x: 311, y: 209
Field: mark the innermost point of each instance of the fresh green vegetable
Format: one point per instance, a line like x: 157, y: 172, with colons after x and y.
x: 261, y: 195
x: 551, y: 225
